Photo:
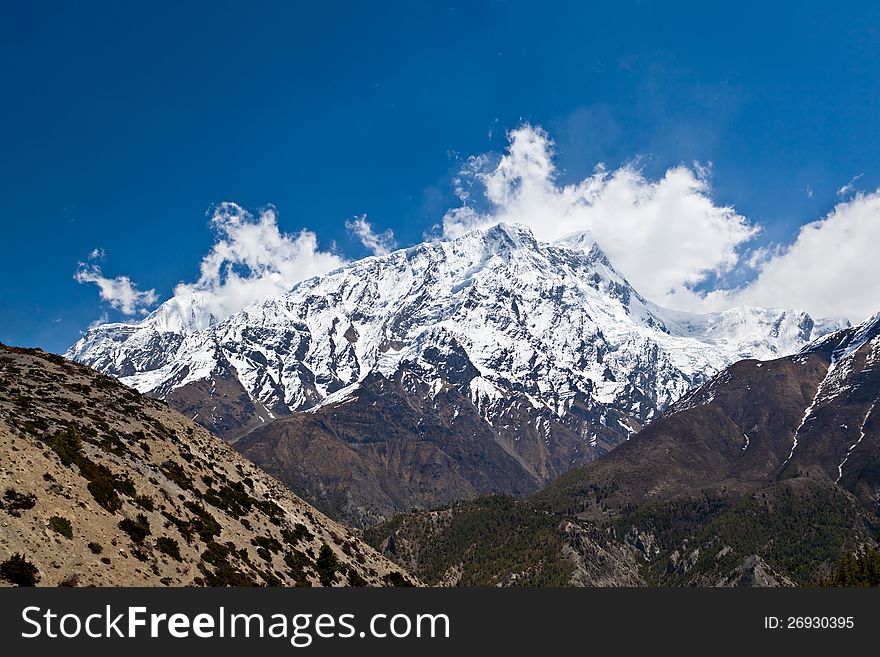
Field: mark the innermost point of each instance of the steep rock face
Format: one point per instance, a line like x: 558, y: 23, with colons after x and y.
x: 546, y: 344
x: 103, y: 486
x: 754, y: 572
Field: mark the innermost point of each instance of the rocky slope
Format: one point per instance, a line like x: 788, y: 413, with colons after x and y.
x: 766, y: 474
x: 496, y: 362
x: 757, y: 422
x: 103, y: 486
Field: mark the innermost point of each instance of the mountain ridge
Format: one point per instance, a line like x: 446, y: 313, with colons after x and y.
x: 540, y: 356
x: 449, y: 268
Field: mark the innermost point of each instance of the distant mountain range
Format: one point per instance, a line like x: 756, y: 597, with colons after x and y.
x: 767, y: 474
x: 489, y: 363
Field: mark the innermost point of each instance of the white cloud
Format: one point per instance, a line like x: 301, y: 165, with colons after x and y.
x: 376, y: 243
x: 665, y: 236
x: 670, y: 238
x: 252, y: 259
x: 119, y: 292
x: 829, y: 270
x: 849, y: 187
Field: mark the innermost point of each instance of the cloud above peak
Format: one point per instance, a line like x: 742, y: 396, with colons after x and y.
x: 665, y: 235
x: 250, y: 259
x: 120, y: 292
x: 668, y: 236
x: 376, y: 243
x: 830, y: 268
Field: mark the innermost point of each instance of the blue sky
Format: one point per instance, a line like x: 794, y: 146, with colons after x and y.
x: 123, y: 124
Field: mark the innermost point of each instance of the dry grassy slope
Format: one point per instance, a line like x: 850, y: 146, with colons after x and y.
x: 79, y: 447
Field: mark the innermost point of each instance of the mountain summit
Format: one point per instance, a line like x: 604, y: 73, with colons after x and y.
x: 544, y: 350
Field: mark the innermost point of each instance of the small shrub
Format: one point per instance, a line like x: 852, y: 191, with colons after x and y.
x: 145, y: 502
x: 396, y: 579
x: 215, y: 553
x: 170, y: 547
x: 15, y: 502
x: 297, y: 562
x: 182, y: 525
x: 327, y: 564
x: 203, y: 524
x: 68, y: 445
x: 354, y: 578
x: 20, y: 571
x: 295, y: 535
x: 270, y: 578
x: 96, y: 548
x: 272, y: 510
x: 62, y: 526
x: 104, y: 492
x: 175, y: 472
x: 232, y: 498
x: 228, y: 575
x: 69, y: 581
x: 137, y: 529
x: 268, y: 543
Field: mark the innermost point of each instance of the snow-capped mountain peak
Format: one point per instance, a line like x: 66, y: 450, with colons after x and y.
x: 582, y: 240
x: 510, y: 322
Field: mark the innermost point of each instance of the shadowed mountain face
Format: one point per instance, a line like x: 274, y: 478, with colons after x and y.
x: 394, y: 444
x: 766, y: 473
x: 100, y: 485
x: 384, y: 449
x: 495, y: 362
